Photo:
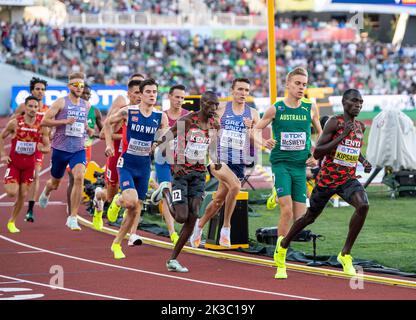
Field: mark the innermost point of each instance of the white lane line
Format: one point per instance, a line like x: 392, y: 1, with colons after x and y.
x: 159, y: 274
x: 10, y: 282
x: 51, y: 203
x: 65, y: 289
x: 25, y: 252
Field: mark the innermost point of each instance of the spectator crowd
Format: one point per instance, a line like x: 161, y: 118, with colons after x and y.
x: 204, y: 62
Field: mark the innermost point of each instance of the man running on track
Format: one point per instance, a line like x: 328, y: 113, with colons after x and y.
x: 291, y: 120
x: 162, y: 167
x: 142, y: 123
x: 37, y: 89
x: 94, y: 118
x: 196, y: 134
x: 234, y: 150
x: 111, y: 172
x: 340, y: 148
x: 69, y: 116
x: 27, y: 137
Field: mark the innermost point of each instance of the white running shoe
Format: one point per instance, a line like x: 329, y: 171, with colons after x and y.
x: 175, y: 266
x: 134, y: 240
x: 72, y: 223
x: 225, y: 237
x: 43, y: 199
x: 196, y: 236
x: 157, y: 195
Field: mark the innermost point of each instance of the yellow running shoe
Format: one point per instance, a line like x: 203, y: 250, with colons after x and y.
x: 12, y: 227
x: 174, y: 237
x: 97, y: 220
x: 280, y: 260
x: 346, y: 262
x: 271, y: 201
x: 113, y: 209
x: 118, y: 253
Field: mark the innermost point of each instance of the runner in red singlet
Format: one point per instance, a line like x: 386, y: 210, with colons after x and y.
x: 27, y: 137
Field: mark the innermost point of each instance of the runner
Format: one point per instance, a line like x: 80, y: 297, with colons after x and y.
x: 162, y: 167
x: 111, y: 172
x: 196, y: 133
x: 27, y: 137
x: 94, y: 118
x: 340, y: 148
x: 69, y: 116
x: 291, y: 120
x: 234, y: 151
x: 142, y: 123
x: 37, y: 89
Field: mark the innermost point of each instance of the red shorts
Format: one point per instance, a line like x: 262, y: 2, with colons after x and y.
x: 19, y: 172
x: 38, y: 158
x: 111, y: 172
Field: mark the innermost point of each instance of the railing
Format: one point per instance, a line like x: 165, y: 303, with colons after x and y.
x: 149, y: 19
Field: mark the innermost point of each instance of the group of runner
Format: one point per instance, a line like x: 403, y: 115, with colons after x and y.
x: 219, y: 138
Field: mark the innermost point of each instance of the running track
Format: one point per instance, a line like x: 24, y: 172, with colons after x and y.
x: 31, y: 261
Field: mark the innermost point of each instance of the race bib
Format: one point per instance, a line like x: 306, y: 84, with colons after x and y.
x: 292, y: 141
x: 196, y: 151
x: 120, y: 162
x: 232, y: 139
x: 75, y: 130
x: 23, y: 147
x: 347, y: 156
x: 139, y: 147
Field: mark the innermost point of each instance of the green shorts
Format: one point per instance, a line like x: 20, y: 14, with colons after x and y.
x: 290, y: 180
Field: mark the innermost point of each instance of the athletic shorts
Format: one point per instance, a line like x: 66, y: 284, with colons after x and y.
x: 61, y: 159
x: 321, y: 195
x: 111, y: 172
x: 134, y: 177
x: 238, y: 170
x: 19, y: 174
x: 290, y: 180
x: 38, y: 158
x: 163, y: 172
x: 191, y: 185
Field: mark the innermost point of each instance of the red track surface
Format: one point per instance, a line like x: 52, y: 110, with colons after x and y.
x: 90, y: 272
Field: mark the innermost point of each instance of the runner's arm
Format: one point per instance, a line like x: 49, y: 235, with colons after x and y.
x: 44, y: 146
x: 325, y: 142
x: 315, y: 120
x: 10, y: 129
x: 49, y: 117
x: 257, y: 134
x: 117, y: 117
x: 267, y: 118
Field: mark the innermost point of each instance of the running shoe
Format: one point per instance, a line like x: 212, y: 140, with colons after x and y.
x: 97, y: 219
x: 346, y: 262
x: 225, y: 237
x: 72, y: 223
x: 175, y: 266
x: 134, y: 240
x: 29, y: 216
x: 196, y: 236
x: 157, y: 195
x: 43, y: 200
x: 280, y: 260
x: 174, y: 237
x: 113, y: 209
x: 12, y: 227
x: 116, y: 249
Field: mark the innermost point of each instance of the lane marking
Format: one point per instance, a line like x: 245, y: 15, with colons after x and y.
x: 24, y: 252
x: 64, y: 289
x: 51, y: 203
x: 159, y: 274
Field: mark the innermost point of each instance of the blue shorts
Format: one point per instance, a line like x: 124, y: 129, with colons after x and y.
x: 135, y: 178
x: 238, y: 170
x: 163, y: 172
x: 60, y: 160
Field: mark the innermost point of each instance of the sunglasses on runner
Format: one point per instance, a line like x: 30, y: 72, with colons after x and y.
x: 77, y: 84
